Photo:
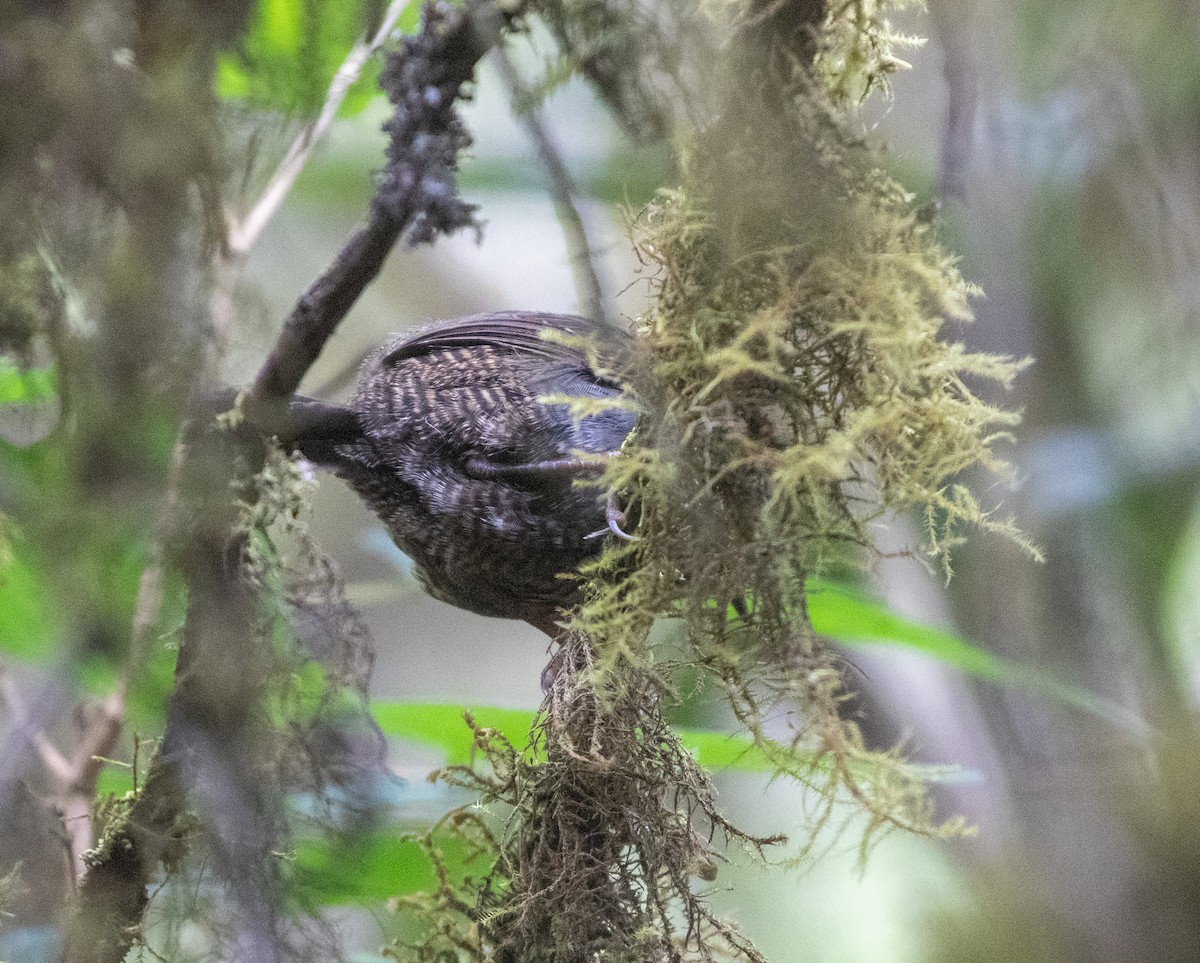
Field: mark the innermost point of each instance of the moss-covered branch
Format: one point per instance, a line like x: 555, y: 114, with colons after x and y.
x: 794, y: 383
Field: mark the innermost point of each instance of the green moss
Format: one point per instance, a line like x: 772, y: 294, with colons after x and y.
x: 796, y: 386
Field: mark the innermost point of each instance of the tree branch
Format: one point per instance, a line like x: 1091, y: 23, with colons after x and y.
x: 215, y: 698
x: 416, y: 192
x: 242, y: 236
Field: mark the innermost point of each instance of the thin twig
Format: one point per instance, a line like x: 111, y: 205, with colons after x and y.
x: 103, y: 723
x: 148, y: 603
x: 240, y: 236
x: 73, y: 780
x: 100, y: 732
x: 221, y: 311
x: 54, y: 761
x: 962, y: 84
x: 562, y: 189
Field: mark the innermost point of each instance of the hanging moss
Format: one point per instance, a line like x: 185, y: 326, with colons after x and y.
x: 795, y: 384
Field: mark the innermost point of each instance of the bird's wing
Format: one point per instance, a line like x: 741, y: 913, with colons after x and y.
x: 517, y: 331
x: 521, y: 438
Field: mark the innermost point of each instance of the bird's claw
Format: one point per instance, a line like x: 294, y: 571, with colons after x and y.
x: 614, y: 526
x: 615, y: 518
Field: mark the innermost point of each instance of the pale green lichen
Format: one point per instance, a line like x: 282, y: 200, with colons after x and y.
x: 859, y: 49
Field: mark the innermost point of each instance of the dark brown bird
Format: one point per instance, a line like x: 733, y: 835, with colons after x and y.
x: 453, y: 440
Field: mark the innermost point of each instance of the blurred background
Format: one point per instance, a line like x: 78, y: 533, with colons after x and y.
x: 1057, y: 143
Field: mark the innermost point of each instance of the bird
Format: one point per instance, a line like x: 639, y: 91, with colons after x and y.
x: 461, y: 438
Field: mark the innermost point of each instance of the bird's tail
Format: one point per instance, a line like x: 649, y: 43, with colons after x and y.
x: 318, y: 430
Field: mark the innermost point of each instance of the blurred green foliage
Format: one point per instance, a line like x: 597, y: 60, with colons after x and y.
x: 29, y: 624
x: 20, y: 385
x: 370, y: 867
x: 291, y: 52
x: 1151, y: 45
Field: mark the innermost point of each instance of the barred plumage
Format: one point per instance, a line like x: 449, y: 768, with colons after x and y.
x: 475, y: 474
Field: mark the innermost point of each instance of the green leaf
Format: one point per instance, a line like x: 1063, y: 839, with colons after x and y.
x: 722, y: 750
x: 850, y: 618
x: 114, y: 780
x: 291, y: 52
x: 29, y: 627
x: 441, y: 726
x: 378, y: 867
x: 353, y: 868
x: 21, y: 386
x: 846, y: 616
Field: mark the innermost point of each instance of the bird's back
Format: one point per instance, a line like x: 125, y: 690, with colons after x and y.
x: 475, y: 472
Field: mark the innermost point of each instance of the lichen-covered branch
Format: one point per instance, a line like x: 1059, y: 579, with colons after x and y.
x: 416, y: 190
x: 603, y: 838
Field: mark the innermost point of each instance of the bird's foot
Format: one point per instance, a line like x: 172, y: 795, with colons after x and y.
x: 615, y: 518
